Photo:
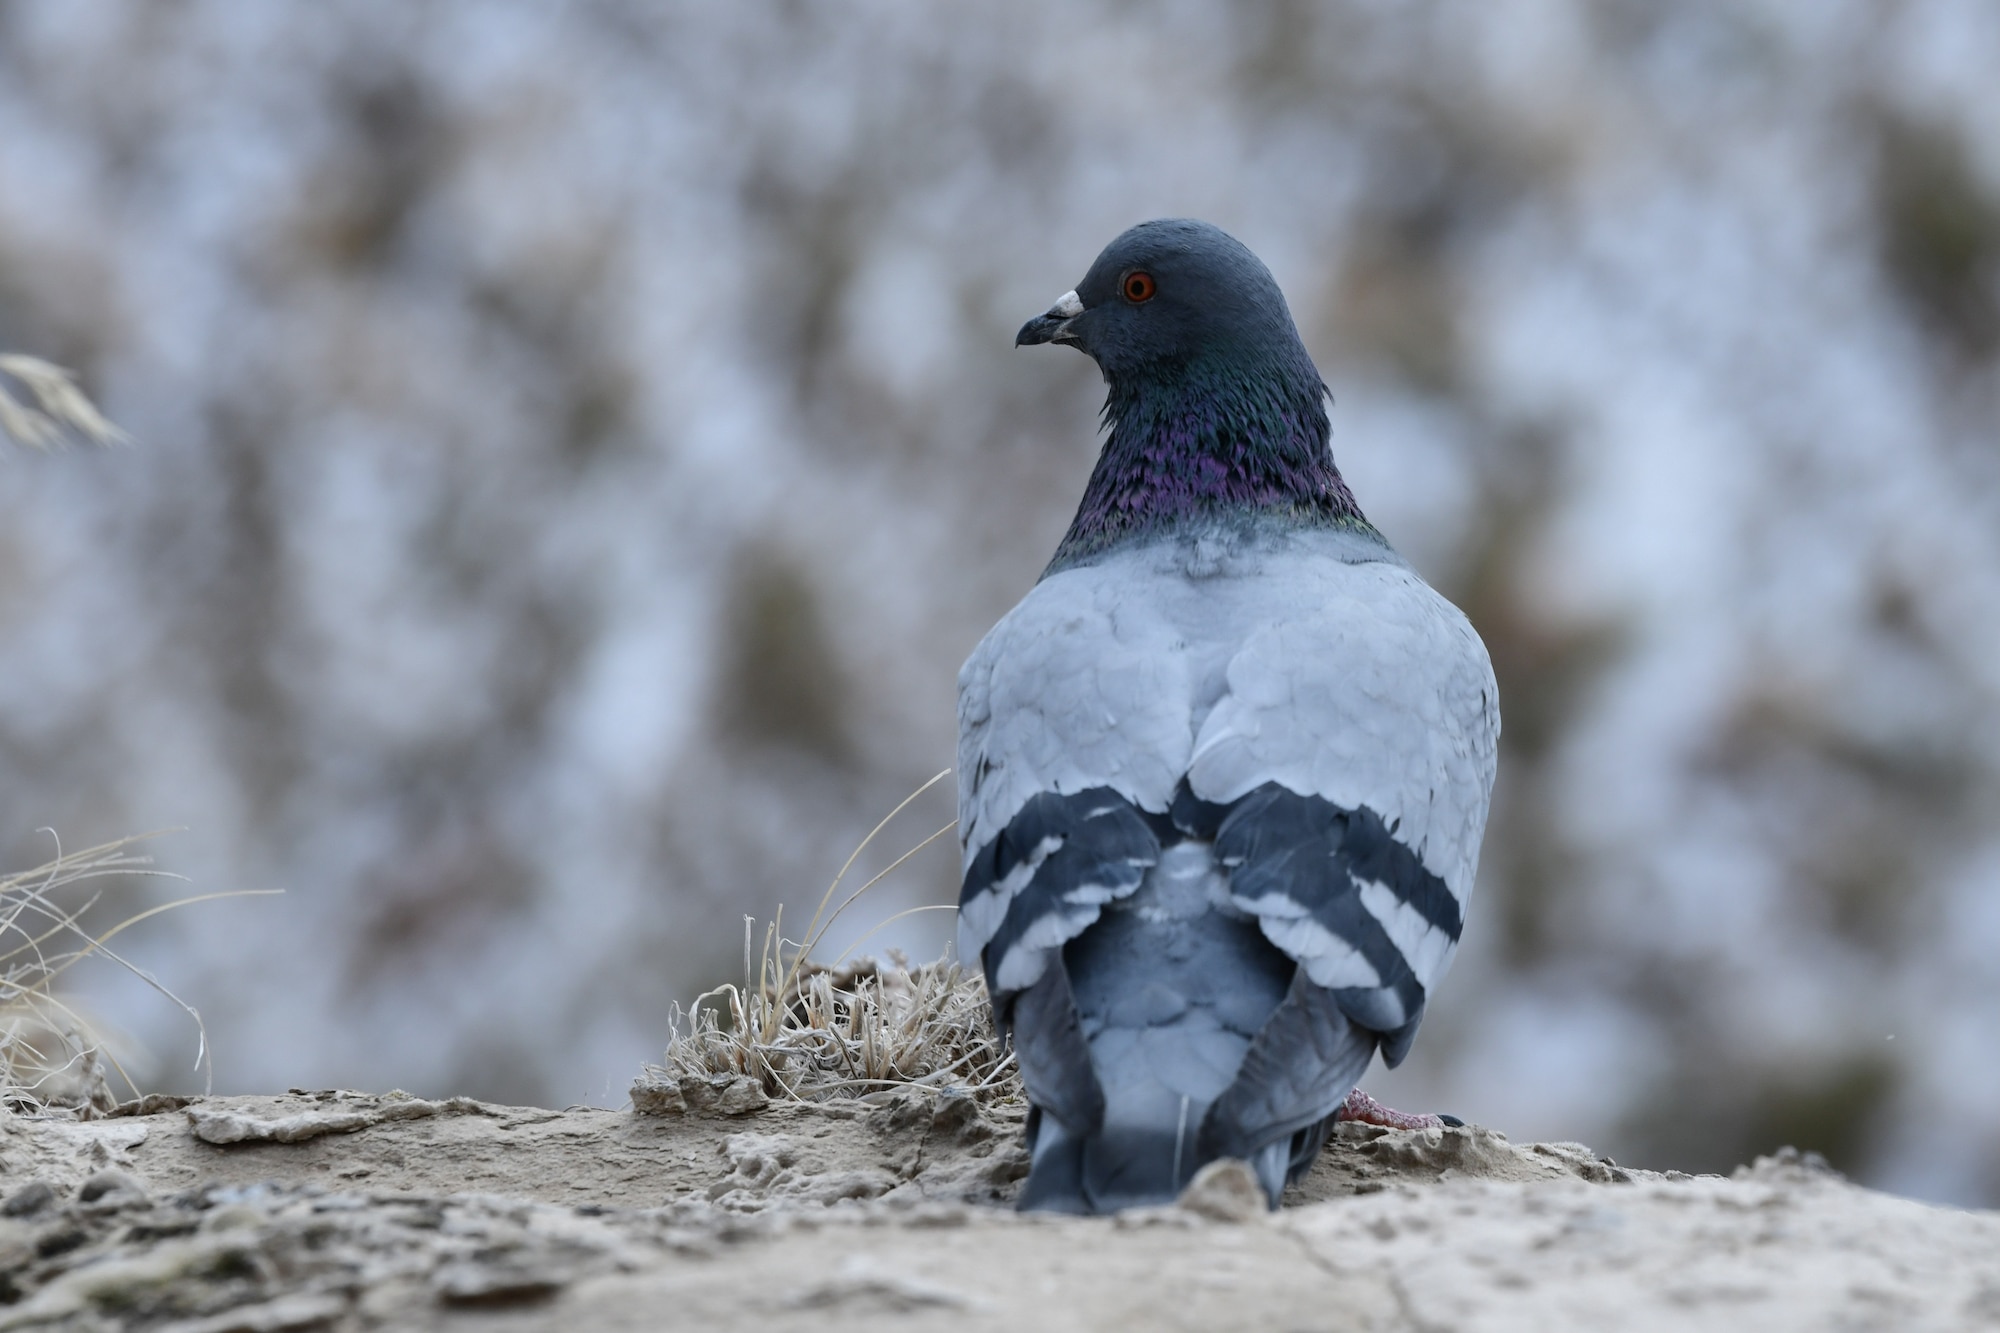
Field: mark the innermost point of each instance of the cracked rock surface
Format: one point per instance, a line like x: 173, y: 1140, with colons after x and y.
x: 345, y: 1211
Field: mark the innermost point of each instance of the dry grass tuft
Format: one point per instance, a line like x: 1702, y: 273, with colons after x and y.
x: 50, y: 1059
x: 48, y: 408
x: 803, y: 1030
x: 810, y: 1032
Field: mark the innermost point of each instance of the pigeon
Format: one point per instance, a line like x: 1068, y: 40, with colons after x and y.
x: 1224, y: 771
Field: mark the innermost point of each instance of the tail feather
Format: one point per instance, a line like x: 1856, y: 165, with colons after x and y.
x: 1055, y: 1172
x: 1302, y: 1065
x: 1127, y: 1167
x: 1306, y: 1146
x: 1051, y: 1053
x: 1203, y: 1040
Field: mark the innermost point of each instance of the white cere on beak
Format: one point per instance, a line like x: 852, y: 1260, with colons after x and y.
x: 1068, y: 304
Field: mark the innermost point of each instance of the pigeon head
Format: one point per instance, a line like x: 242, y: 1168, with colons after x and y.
x: 1172, y: 294
x: 1214, y: 408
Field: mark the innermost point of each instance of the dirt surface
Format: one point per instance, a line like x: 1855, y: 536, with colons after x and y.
x: 343, y: 1211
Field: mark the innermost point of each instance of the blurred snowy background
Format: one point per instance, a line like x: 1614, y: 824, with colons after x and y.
x: 576, y: 445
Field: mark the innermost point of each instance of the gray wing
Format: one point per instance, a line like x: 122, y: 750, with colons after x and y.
x: 1373, y: 692
x: 1354, y: 751
x: 1330, y: 724
x: 1072, y: 731
x: 1351, y: 682
x: 1089, y: 682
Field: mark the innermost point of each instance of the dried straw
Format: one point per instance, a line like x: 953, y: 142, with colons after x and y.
x: 50, y: 1058
x: 48, y: 407
x: 804, y: 1030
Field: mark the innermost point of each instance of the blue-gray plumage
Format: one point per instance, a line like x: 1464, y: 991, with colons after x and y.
x: 1224, y: 771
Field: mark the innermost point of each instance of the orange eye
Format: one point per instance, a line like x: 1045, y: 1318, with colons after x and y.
x: 1139, y: 286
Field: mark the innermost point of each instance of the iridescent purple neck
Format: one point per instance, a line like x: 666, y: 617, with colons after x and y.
x: 1213, y: 444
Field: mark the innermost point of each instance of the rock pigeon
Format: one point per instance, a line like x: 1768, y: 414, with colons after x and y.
x: 1223, y: 772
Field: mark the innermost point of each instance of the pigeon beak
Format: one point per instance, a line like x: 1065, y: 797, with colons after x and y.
x: 1052, y: 327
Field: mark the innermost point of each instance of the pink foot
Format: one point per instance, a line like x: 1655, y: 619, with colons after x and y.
x: 1360, y: 1106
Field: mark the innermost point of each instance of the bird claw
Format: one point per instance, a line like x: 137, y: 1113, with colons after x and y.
x: 1360, y: 1106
